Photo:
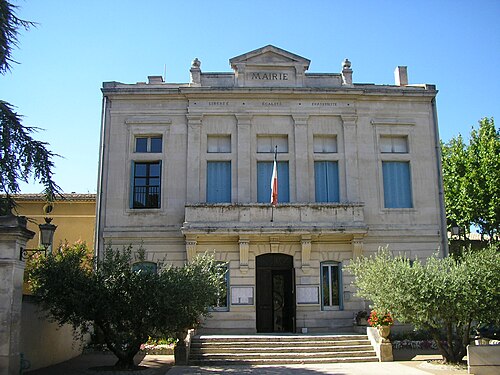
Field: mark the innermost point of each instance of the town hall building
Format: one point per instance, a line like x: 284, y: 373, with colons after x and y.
x: 185, y: 168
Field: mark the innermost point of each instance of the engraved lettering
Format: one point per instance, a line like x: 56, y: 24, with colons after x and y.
x: 271, y: 104
x: 218, y: 103
x: 268, y: 76
x: 324, y: 104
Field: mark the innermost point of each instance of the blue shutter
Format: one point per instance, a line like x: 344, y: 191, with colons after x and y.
x: 264, y: 173
x: 219, y: 182
x: 283, y: 183
x: 397, y: 184
x: 326, y: 175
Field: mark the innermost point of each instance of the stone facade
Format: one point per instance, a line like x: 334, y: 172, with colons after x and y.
x: 185, y: 168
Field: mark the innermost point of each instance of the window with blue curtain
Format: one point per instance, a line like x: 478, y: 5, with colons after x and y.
x: 264, y: 173
x: 219, y: 182
x: 331, y: 285
x: 397, y: 184
x: 326, y: 179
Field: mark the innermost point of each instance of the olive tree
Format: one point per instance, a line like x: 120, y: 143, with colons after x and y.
x: 128, y: 306
x: 445, y: 296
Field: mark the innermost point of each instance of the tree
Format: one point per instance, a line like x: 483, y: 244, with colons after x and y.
x: 445, y: 296
x: 21, y: 156
x: 471, y: 178
x: 127, y: 306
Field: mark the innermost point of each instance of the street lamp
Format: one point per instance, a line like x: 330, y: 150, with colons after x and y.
x: 46, y: 237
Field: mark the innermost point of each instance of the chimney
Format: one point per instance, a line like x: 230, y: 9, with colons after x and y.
x: 155, y: 80
x: 401, y: 76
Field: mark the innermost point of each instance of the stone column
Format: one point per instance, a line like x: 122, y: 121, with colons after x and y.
x: 193, y: 161
x: 244, y: 159
x: 13, y: 237
x: 302, y: 179
x: 351, y: 158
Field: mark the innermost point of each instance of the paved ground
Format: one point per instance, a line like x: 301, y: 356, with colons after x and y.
x: 408, y: 364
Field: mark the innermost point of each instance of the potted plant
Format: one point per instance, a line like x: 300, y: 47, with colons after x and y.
x: 362, y: 318
x: 382, y: 321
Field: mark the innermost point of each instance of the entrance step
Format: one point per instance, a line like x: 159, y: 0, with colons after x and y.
x: 271, y: 349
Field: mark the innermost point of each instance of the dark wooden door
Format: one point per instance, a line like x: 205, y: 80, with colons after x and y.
x: 275, y: 302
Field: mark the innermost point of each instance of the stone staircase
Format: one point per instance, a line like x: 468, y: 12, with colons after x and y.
x: 275, y: 350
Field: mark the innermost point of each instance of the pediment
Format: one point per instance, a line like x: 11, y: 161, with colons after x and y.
x: 269, y: 56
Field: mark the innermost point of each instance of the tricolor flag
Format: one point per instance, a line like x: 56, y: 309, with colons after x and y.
x: 274, y: 180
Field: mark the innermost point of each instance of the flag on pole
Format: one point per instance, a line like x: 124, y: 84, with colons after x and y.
x: 274, y: 179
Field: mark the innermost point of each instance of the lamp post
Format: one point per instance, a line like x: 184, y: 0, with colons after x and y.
x: 46, y: 237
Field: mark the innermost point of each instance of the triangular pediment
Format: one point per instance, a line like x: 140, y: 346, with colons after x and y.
x: 269, y: 56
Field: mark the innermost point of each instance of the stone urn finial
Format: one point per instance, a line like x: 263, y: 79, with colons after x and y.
x: 196, y: 63
x: 346, y: 64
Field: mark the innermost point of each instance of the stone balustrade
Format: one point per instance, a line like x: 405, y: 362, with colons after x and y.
x: 224, y: 217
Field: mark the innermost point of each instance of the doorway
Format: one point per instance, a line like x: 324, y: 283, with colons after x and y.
x: 275, y: 292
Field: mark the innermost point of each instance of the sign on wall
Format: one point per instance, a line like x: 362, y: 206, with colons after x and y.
x: 242, y: 295
x: 307, y: 294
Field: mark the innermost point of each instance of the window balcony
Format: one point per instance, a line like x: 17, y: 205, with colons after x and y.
x: 258, y: 218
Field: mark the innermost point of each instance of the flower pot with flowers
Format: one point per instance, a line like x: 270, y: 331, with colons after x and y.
x: 383, y: 322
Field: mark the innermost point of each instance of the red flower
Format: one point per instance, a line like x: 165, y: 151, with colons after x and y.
x: 378, y: 319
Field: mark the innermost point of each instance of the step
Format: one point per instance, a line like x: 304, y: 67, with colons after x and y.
x: 268, y: 355
x: 280, y: 349
x: 294, y: 361
x: 271, y: 344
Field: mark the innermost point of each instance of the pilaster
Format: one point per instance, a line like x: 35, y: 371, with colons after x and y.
x: 13, y: 236
x: 243, y: 162
x: 193, y: 158
x: 306, y: 252
x: 357, y: 246
x: 191, y: 243
x: 351, y: 157
x: 244, y: 247
x: 301, y: 162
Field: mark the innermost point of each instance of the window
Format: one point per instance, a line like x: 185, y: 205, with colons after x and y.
x: 397, y: 184
x: 325, y: 144
x: 148, y: 144
x: 331, y: 285
x: 326, y: 179
x: 219, y: 143
x: 267, y: 144
x: 264, y: 173
x: 393, y: 144
x: 221, y: 303
x: 145, y: 185
x: 219, y: 182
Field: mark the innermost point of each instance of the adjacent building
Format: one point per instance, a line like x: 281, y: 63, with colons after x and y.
x: 186, y: 169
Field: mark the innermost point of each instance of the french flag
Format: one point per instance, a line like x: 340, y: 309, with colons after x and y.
x: 274, y: 180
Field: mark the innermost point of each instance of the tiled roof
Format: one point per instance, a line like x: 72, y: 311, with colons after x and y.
x: 65, y: 196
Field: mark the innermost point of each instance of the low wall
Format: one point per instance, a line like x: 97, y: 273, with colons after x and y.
x: 44, y: 343
x: 483, y: 359
x: 383, y: 349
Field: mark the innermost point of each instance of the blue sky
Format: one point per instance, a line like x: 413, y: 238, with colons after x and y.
x: 77, y: 45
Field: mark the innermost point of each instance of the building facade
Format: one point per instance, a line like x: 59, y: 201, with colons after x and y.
x: 73, y: 214
x: 186, y: 169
